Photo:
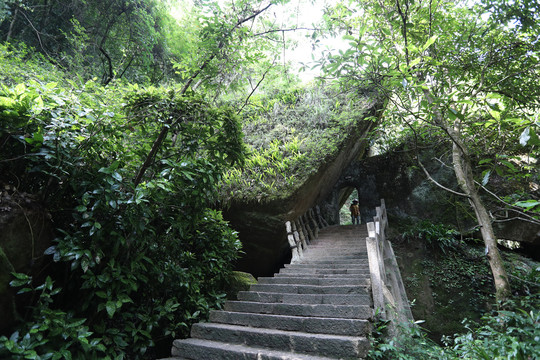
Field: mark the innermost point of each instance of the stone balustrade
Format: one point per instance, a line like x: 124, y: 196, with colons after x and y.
x: 303, y: 230
x: 389, y: 297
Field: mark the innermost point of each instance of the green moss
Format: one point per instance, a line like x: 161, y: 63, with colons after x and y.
x: 239, y: 281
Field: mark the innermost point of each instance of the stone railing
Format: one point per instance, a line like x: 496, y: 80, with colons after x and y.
x: 389, y: 298
x: 304, y: 229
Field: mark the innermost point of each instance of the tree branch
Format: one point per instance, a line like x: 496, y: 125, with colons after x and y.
x: 280, y: 30
x: 164, y: 130
x: 256, y: 86
x: 109, y: 61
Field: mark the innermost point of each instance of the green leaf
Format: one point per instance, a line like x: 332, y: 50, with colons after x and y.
x: 527, y: 204
x: 110, y: 306
x: 415, y: 62
x: 430, y: 41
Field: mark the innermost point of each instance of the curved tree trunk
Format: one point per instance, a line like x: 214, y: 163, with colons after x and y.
x: 464, y: 176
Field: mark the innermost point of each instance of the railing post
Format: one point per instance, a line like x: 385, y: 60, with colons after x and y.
x: 300, y: 230
x: 292, y: 243
x: 307, y: 230
x: 375, y: 271
x: 314, y: 222
x: 297, y: 240
x: 322, y: 221
x: 387, y: 285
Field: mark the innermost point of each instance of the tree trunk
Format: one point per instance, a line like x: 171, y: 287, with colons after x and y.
x: 464, y: 176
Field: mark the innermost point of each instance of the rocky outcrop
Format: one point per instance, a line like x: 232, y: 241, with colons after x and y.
x: 261, y: 226
x: 411, y: 197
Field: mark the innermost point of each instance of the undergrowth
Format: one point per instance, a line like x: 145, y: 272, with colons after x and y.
x: 459, y: 281
x: 131, y: 265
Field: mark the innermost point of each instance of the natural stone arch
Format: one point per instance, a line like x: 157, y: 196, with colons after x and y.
x: 354, y: 177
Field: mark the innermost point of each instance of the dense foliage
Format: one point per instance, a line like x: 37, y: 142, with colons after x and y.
x: 452, y: 70
x: 141, y: 264
x: 290, y: 134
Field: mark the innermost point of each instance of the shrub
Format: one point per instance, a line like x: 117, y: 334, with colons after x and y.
x: 138, y: 264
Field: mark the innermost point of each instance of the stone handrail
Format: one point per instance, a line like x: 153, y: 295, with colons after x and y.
x: 389, y: 297
x: 303, y: 230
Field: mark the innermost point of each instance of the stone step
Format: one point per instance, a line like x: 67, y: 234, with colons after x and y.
x: 311, y: 310
x: 339, y: 245
x: 335, y: 326
x: 331, y: 257
x: 333, y: 261
x: 311, y: 289
x: 364, y: 275
x: 323, y: 271
x: 338, y: 346
x: 332, y: 252
x: 197, y: 349
x: 304, y: 280
x: 327, y: 266
x: 332, y: 299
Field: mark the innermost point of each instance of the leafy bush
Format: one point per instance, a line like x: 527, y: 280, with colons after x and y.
x: 435, y: 235
x: 139, y: 264
x: 506, y: 335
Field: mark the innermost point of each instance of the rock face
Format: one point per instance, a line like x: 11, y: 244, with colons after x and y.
x: 265, y: 245
x: 25, y: 233
x: 411, y: 197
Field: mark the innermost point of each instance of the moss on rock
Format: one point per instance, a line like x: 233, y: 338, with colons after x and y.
x: 239, y: 281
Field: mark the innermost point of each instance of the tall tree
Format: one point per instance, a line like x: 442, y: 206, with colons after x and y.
x: 446, y: 70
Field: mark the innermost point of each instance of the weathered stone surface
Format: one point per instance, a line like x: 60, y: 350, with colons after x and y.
x: 352, y: 327
x: 310, y: 289
x: 335, y: 299
x: 201, y: 349
x: 337, y: 346
x: 310, y: 280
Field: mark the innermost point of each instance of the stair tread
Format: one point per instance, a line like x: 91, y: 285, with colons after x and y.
x: 327, y: 325
x: 244, y: 352
x: 327, y: 344
x: 278, y: 332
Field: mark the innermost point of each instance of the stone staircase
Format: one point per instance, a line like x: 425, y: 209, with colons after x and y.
x: 317, y: 308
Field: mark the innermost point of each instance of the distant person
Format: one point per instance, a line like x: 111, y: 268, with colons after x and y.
x: 355, y: 212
